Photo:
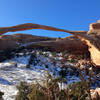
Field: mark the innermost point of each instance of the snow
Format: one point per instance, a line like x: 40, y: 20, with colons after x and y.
x: 13, y: 71
x: 82, y: 66
x: 21, y: 61
x: 10, y: 91
x: 10, y: 76
x: 4, y: 64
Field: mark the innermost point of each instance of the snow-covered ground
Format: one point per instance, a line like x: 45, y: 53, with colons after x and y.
x: 10, y: 76
x: 15, y: 70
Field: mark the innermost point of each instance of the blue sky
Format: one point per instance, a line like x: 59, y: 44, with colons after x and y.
x: 65, y: 14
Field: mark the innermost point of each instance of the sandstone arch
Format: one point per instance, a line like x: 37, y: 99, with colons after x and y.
x: 91, y: 37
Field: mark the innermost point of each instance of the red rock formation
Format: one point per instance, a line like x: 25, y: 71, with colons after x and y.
x: 71, y: 44
x: 91, y: 38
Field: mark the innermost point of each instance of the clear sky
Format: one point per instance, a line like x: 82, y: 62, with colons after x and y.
x: 65, y: 14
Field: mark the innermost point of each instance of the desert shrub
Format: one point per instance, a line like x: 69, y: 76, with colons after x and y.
x: 8, y: 53
x: 36, y: 93
x: 23, y: 91
x: 72, y: 60
x: 19, y: 49
x: 46, y: 66
x: 27, y: 66
x: 54, y: 54
x: 1, y: 94
x: 33, y: 58
x: 63, y: 72
x: 40, y: 52
x: 15, y: 64
x: 77, y: 91
x: 46, y: 55
x: 50, y: 90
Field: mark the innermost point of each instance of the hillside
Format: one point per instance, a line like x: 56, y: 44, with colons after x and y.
x: 33, y: 65
x: 27, y: 58
x: 9, y: 43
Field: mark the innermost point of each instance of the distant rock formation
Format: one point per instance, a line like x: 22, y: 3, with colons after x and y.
x: 91, y: 37
x: 70, y: 44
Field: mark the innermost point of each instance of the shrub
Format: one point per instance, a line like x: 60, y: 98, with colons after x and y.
x: 33, y: 58
x: 72, y: 60
x: 63, y: 72
x: 1, y: 94
x: 77, y: 91
x: 41, y: 52
x: 23, y: 91
x: 36, y: 93
x: 28, y: 66
x: 50, y: 90
x: 46, y: 66
x: 15, y: 64
x: 54, y: 54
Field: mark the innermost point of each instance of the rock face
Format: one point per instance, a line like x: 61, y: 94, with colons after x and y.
x: 91, y: 38
x: 9, y: 43
x: 25, y: 38
x: 70, y: 44
x: 94, y: 43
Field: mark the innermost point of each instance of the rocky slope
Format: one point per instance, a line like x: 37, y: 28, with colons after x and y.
x: 18, y: 41
x: 32, y: 65
x: 25, y: 60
